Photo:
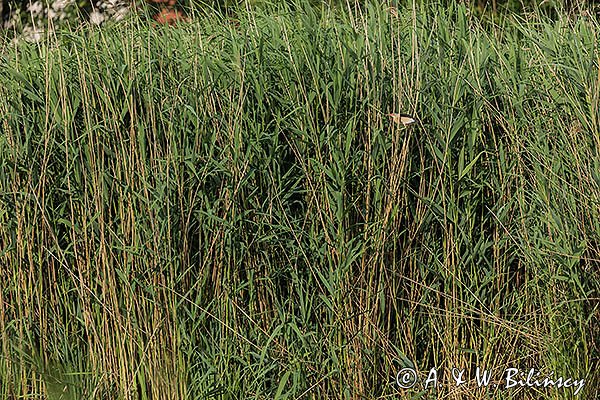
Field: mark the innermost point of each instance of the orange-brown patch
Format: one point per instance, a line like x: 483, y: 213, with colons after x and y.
x: 170, y: 16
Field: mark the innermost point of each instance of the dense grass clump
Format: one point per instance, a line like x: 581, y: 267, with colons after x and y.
x: 223, y: 209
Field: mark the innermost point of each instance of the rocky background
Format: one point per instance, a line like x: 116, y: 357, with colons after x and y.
x: 45, y: 12
x: 28, y: 19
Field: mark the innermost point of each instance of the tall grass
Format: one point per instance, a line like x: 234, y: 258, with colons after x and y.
x: 224, y: 210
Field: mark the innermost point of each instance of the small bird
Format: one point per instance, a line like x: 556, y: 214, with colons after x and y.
x: 403, y: 119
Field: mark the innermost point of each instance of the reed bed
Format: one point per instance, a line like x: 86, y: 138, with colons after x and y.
x: 223, y: 209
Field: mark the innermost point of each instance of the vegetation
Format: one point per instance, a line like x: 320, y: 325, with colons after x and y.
x: 223, y: 209
x: 41, y: 13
